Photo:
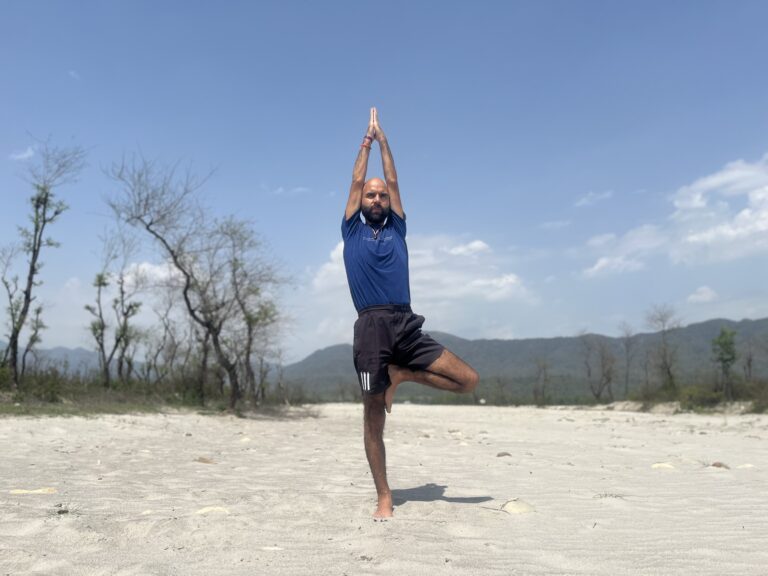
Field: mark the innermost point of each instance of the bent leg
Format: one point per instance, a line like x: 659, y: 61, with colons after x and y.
x: 373, y: 436
x: 448, y: 372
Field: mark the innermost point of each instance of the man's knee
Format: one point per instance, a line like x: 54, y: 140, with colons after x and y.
x: 373, y: 406
x: 470, y: 380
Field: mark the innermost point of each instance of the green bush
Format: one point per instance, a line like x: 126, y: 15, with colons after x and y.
x: 5, y: 378
x: 693, y: 397
x: 758, y: 392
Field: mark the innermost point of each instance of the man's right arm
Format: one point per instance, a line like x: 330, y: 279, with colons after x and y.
x: 359, y: 172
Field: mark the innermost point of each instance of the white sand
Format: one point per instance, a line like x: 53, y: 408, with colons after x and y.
x: 582, y: 492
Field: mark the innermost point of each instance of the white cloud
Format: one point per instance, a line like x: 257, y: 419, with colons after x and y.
x: 601, y: 240
x: 723, y: 216
x: 702, y: 295
x: 441, y: 273
x: 474, y: 247
x: 24, y: 155
x: 625, y: 254
x: 613, y: 265
x: 592, y: 198
x: 290, y: 192
x: 147, y: 273
x: 331, y: 275
x: 73, y: 284
x: 720, y: 217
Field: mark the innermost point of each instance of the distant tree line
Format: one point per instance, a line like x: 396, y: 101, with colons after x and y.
x: 660, y: 369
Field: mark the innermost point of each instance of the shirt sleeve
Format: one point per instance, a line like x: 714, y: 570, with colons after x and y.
x: 349, y: 225
x: 398, y: 223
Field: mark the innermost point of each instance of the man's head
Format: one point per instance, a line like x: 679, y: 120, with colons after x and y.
x: 375, y: 204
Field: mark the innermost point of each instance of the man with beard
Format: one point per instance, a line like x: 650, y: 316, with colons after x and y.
x: 389, y: 346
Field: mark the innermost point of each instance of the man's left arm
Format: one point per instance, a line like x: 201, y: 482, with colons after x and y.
x: 388, y: 164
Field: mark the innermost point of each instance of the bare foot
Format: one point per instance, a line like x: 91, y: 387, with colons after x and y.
x: 397, y: 375
x: 384, y: 508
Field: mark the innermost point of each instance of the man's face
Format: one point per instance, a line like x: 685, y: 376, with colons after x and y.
x: 375, y: 204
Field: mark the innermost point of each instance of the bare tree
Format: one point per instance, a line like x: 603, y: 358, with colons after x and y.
x: 588, y: 347
x: 55, y: 167
x: 599, y: 364
x: 252, y: 278
x: 607, y: 363
x: 663, y: 319
x: 647, y: 365
x: 748, y: 360
x: 115, y: 247
x: 627, y: 334
x: 541, y: 383
x: 161, y: 202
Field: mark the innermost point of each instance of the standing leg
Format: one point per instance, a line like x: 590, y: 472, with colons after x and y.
x: 373, y: 435
x: 448, y: 372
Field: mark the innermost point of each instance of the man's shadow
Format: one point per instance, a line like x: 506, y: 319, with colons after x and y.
x: 430, y: 493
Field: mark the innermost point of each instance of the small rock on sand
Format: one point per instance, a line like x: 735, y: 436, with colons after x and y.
x: 517, y: 506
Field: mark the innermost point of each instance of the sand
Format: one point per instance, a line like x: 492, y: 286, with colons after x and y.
x: 478, y: 490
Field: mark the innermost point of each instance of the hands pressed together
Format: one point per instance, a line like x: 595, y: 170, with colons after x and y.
x: 374, y: 131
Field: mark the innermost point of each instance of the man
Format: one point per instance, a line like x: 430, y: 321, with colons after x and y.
x: 389, y: 346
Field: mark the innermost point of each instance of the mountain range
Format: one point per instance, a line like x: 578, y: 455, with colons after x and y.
x: 511, y: 368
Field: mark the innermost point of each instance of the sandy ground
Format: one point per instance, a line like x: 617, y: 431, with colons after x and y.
x: 478, y: 490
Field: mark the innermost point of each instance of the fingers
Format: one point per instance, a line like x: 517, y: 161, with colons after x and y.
x: 375, y: 116
x: 372, y: 121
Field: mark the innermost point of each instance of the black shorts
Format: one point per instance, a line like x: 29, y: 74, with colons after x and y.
x: 387, y: 335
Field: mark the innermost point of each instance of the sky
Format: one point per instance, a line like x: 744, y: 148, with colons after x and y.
x: 564, y: 165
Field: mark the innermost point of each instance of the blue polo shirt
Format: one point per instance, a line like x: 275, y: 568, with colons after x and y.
x: 376, y: 265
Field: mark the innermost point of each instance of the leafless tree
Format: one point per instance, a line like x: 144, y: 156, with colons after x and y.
x: 252, y: 279
x: 627, y: 336
x: 121, y: 345
x: 663, y: 319
x: 748, y: 359
x: 647, y: 365
x: 607, y: 363
x: 162, y: 203
x: 542, y: 381
x: 599, y: 364
x: 588, y: 348
x: 55, y: 167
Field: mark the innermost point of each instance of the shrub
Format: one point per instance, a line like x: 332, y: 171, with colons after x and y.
x: 693, y: 397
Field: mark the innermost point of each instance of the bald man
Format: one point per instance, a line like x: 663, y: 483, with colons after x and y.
x: 389, y: 346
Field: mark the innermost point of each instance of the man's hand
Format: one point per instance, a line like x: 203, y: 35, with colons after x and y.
x: 377, y: 131
x: 372, y: 125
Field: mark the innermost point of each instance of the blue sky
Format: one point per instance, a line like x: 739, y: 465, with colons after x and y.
x: 563, y: 165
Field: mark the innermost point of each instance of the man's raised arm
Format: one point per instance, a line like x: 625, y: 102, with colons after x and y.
x: 360, y: 170
x: 388, y: 164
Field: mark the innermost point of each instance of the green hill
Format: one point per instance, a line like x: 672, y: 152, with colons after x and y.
x: 508, y: 368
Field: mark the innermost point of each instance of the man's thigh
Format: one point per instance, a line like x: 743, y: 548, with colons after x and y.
x: 372, y: 351
x: 453, y: 367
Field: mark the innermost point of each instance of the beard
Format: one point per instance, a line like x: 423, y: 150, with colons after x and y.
x: 375, y: 217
